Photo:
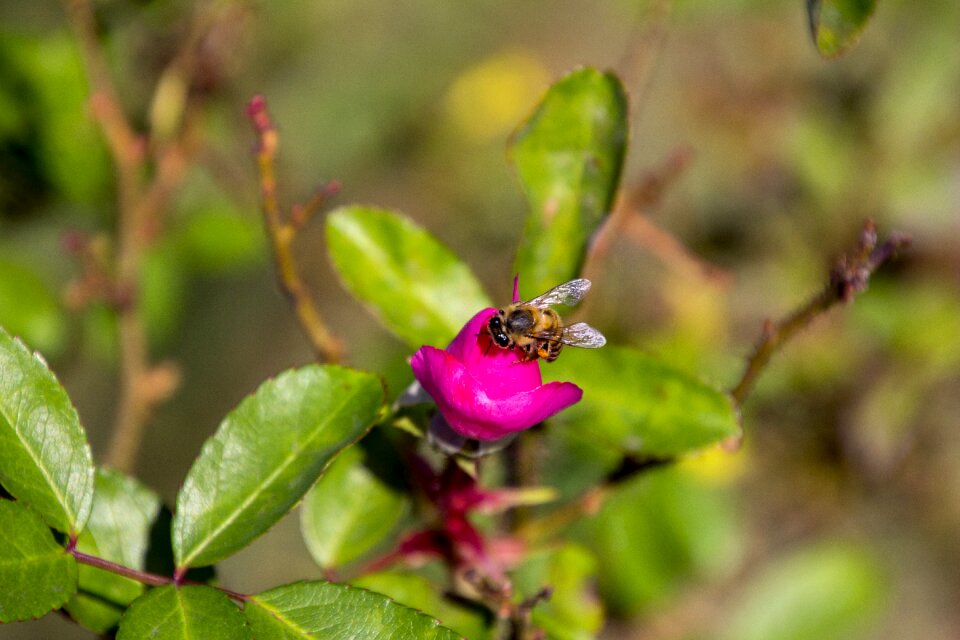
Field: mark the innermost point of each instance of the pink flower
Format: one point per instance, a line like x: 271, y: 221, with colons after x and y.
x: 485, y: 392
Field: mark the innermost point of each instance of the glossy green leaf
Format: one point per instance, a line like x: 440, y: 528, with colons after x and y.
x: 568, y: 156
x: 159, y: 557
x: 832, y: 591
x: 348, y: 511
x: 93, y: 613
x: 419, y: 593
x: 45, y: 460
x: 36, y: 574
x: 573, y: 611
x: 118, y: 530
x: 836, y: 25
x: 416, y: 287
x: 635, y: 404
x: 266, y: 454
x: 183, y: 613
x: 29, y: 309
x: 654, y: 533
x: 337, y: 612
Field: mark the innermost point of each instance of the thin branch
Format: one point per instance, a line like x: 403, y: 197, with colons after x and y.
x: 850, y: 276
x: 125, y: 145
x: 140, y: 204
x: 282, y: 234
x: 144, y: 577
x: 645, y: 49
x: 140, y: 576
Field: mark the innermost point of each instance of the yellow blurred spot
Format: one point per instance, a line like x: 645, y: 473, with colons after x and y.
x: 492, y: 97
x: 699, y: 310
x: 716, y: 464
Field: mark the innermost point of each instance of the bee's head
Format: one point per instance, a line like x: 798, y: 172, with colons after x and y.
x: 495, y: 326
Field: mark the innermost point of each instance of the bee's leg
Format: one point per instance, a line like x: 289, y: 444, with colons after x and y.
x: 530, y: 352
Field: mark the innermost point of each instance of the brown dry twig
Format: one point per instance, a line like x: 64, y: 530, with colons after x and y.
x: 850, y: 276
x: 143, y: 196
x: 282, y: 233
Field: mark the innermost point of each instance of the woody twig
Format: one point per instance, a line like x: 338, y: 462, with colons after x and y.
x: 283, y: 230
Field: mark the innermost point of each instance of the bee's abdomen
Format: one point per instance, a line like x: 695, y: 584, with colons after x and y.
x: 549, y: 350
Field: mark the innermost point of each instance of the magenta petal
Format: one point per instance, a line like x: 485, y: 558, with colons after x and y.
x: 488, y: 418
x: 435, y: 370
x: 472, y: 412
x: 485, y: 392
x: 500, y: 372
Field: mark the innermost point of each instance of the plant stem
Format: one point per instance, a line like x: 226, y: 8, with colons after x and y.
x: 282, y: 233
x: 140, y: 203
x: 140, y: 576
x: 850, y: 276
x: 144, y: 577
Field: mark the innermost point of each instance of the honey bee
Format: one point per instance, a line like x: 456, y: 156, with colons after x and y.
x: 538, y: 330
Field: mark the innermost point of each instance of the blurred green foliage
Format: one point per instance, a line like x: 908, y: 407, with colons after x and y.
x: 825, y: 592
x: 851, y: 434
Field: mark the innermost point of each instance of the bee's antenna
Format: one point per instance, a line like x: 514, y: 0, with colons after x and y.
x: 516, y: 287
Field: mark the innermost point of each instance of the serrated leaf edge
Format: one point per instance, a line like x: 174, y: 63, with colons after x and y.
x: 345, y: 587
x: 205, y: 542
x: 75, y: 520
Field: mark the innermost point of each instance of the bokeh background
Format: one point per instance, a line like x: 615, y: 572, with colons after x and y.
x: 840, y: 515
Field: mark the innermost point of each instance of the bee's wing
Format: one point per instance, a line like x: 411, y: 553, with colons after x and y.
x: 582, y: 335
x: 568, y: 293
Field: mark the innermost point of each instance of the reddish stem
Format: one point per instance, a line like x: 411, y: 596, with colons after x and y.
x: 144, y: 577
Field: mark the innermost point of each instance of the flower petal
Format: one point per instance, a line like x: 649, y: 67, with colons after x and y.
x: 472, y: 412
x: 490, y: 418
x: 501, y: 372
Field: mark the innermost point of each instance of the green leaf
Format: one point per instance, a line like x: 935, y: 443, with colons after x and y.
x: 416, y: 287
x: 338, y: 531
x: 36, y: 574
x: 568, y: 156
x: 572, y: 612
x: 99, y: 616
x: 183, y: 613
x: 337, y: 612
x: 831, y: 591
x: 265, y: 456
x: 419, y: 593
x: 45, y: 460
x: 836, y: 25
x: 637, y: 405
x: 118, y: 530
x: 654, y: 533
x: 28, y: 308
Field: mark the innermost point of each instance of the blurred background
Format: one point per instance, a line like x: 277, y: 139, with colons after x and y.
x: 840, y: 515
